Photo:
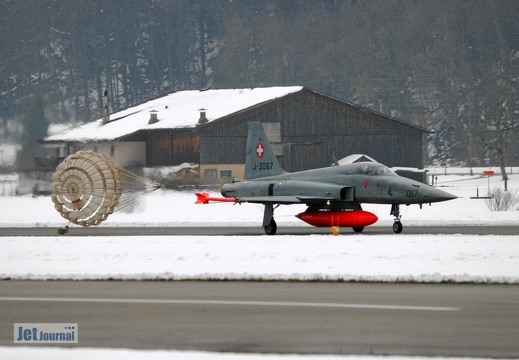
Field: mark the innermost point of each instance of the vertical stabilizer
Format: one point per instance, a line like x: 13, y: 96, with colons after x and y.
x: 260, y: 160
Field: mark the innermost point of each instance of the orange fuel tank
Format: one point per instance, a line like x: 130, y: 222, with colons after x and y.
x: 343, y: 218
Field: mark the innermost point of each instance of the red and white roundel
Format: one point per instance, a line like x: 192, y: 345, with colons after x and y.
x: 260, y: 150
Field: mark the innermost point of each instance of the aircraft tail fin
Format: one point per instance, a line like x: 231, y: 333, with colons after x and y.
x: 260, y: 160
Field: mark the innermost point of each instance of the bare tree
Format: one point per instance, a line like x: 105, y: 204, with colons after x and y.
x: 502, y: 118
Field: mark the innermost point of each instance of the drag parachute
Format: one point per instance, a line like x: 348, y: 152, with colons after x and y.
x: 87, y: 187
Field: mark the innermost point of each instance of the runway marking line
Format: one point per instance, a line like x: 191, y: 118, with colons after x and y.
x: 235, y: 302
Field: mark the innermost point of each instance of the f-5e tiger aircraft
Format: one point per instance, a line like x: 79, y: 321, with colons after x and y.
x: 333, y: 194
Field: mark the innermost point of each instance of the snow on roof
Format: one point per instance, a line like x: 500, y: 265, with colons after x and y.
x: 176, y: 110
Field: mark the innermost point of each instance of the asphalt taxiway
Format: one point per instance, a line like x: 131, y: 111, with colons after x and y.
x: 253, y: 230
x: 274, y: 317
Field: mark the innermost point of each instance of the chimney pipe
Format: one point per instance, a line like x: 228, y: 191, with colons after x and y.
x: 153, y: 117
x: 106, y: 109
x: 203, y: 118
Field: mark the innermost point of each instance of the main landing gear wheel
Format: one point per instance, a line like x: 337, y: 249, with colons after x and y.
x: 358, y: 229
x: 397, y: 227
x: 271, y: 228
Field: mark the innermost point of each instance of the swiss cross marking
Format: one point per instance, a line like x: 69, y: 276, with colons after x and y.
x: 260, y: 150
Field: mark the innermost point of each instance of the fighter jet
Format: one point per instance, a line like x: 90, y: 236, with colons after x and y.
x: 333, y: 194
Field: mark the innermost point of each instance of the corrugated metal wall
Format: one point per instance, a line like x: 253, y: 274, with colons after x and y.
x: 172, y: 147
x: 313, y: 128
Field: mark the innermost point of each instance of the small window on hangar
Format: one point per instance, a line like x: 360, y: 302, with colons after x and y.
x: 225, y: 174
x: 210, y: 173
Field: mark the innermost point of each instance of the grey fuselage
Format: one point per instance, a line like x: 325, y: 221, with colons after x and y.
x: 363, y: 182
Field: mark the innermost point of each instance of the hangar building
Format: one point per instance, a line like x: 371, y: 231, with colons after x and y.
x: 306, y: 128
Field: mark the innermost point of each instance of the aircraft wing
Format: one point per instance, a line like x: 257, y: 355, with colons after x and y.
x: 285, y: 199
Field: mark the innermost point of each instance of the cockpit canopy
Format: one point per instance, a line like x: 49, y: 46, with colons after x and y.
x: 370, y: 168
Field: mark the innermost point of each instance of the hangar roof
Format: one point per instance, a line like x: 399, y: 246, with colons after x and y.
x: 180, y: 110
x: 176, y: 110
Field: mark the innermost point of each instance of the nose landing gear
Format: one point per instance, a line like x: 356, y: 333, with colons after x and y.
x: 397, y: 225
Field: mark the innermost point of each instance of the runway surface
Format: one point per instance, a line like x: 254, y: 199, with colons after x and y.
x: 280, y: 317
x: 247, y: 230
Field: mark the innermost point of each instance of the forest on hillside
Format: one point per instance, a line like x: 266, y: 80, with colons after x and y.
x: 451, y: 66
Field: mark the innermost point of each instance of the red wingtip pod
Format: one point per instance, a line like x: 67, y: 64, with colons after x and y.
x: 343, y: 218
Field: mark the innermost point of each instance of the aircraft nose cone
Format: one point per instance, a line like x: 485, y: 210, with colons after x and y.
x: 437, y: 195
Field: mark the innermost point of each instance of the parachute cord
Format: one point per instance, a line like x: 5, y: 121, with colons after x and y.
x: 127, y: 174
x: 127, y: 202
x: 135, y: 187
x: 131, y: 198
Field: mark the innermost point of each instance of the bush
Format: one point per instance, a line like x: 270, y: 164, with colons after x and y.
x: 503, y: 200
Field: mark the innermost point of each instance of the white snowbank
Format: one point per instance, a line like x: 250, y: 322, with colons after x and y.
x: 421, y: 258
x: 21, y: 353
x: 416, y: 258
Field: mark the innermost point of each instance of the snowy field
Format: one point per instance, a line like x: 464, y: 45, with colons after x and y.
x: 348, y: 257
x: 11, y: 353
x: 364, y: 257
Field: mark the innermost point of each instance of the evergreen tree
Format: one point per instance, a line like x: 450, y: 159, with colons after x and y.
x: 35, y: 123
x: 35, y: 127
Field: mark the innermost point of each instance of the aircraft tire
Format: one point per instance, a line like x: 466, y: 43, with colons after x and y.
x: 358, y: 229
x: 397, y: 227
x: 271, y: 228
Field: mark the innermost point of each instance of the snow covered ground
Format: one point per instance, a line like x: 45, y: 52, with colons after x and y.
x: 11, y: 353
x: 422, y: 258
x: 391, y: 257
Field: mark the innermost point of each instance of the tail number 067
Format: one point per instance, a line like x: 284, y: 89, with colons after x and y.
x: 262, y: 166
